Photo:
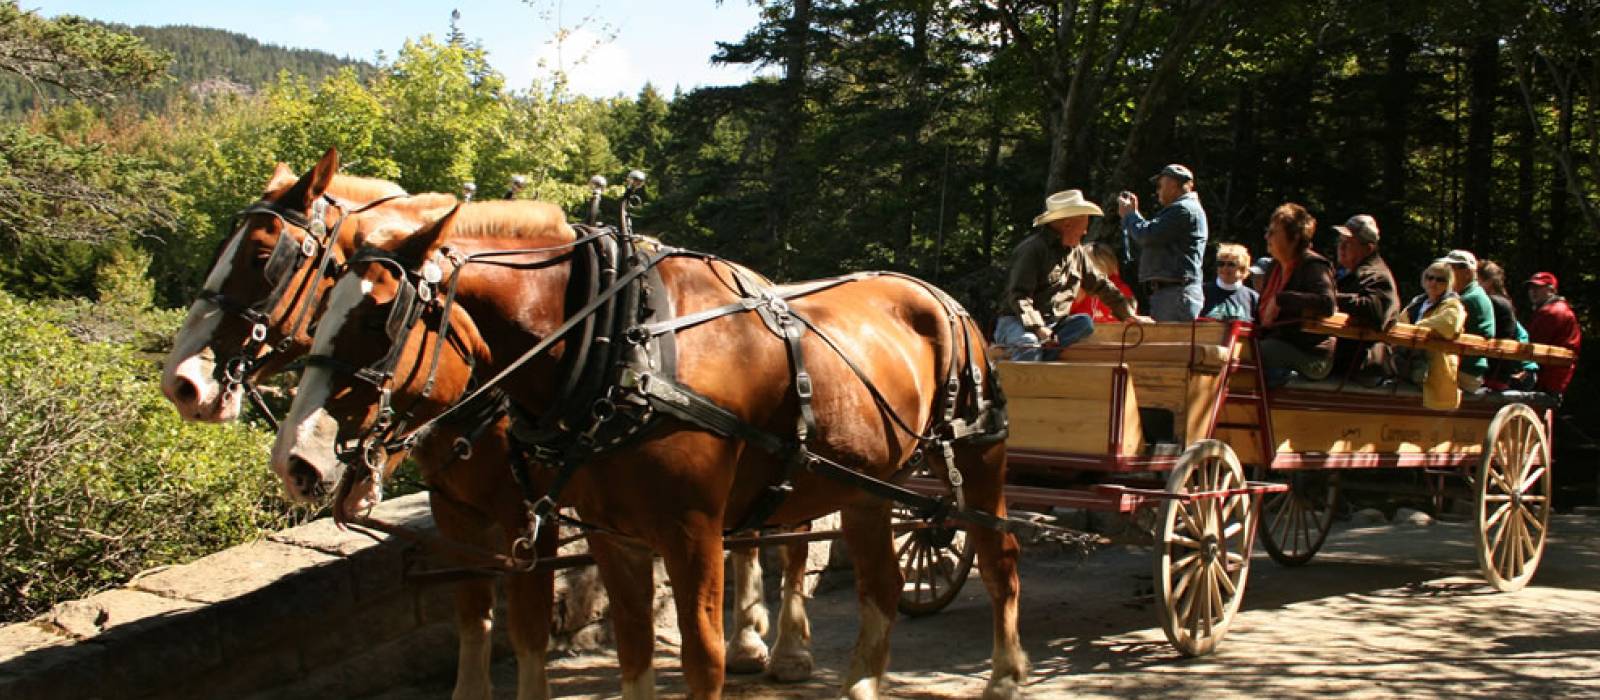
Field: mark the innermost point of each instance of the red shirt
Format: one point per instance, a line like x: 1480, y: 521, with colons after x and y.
x: 1555, y: 324
x: 1091, y: 304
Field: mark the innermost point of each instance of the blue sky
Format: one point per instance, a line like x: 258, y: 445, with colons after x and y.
x: 614, y: 46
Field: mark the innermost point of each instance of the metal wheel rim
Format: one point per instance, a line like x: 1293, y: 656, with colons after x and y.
x: 1295, y: 523
x: 1514, y: 498
x: 1203, y: 557
x: 934, y: 564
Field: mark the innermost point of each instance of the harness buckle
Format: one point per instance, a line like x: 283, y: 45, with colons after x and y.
x: 258, y: 332
x: 802, y: 385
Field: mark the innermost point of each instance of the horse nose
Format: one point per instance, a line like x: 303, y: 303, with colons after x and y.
x: 184, y: 392
x: 306, y: 481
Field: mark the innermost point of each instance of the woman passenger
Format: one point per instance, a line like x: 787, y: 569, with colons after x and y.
x: 1226, y: 297
x: 1299, y: 286
x: 1514, y: 375
x: 1440, y: 311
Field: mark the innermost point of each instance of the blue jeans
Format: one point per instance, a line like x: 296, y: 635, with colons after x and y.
x: 1024, y: 345
x: 1178, y: 302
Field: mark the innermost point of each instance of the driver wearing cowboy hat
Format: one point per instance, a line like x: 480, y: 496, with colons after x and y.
x: 1048, y: 269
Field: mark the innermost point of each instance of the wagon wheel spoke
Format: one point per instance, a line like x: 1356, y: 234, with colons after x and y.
x: 1232, y: 530
x: 1531, y: 479
x: 1184, y: 541
x: 1191, y: 520
x: 1497, y: 477
x: 1225, y: 579
x: 1499, y: 513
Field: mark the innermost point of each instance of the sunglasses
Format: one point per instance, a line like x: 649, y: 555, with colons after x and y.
x: 1435, y: 278
x: 1227, y: 263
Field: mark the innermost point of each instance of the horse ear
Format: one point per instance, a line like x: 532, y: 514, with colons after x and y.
x: 282, y: 177
x: 321, y: 175
x: 426, y: 240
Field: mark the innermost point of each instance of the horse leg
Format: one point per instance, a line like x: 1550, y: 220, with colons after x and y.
x: 747, y: 653
x: 878, y: 584
x: 997, y: 563
x: 529, y: 599
x: 694, y: 563
x: 791, y: 650
x: 474, y: 602
x: 628, y: 572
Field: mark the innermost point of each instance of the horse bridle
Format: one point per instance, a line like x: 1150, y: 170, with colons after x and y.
x: 283, y: 265
x: 418, y: 291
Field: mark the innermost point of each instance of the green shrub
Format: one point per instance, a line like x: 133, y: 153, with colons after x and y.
x: 99, y: 479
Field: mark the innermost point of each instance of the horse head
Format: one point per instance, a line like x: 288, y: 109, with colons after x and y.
x: 253, y: 313
x: 382, y: 362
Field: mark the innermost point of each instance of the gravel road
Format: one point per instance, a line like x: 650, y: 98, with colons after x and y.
x: 1388, y: 610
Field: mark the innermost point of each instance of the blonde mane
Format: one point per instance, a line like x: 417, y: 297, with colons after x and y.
x: 517, y: 220
x: 513, y: 220
x: 362, y: 189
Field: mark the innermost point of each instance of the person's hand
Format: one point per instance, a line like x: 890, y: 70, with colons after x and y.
x: 1269, y: 312
x: 1046, y: 338
x: 1140, y: 319
x: 1127, y: 202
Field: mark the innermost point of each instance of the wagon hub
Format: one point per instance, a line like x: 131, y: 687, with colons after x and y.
x: 1210, y: 549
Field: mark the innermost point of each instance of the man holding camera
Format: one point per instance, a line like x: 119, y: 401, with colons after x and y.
x: 1172, y: 244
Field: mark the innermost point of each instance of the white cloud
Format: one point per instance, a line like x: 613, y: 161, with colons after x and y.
x: 593, y: 66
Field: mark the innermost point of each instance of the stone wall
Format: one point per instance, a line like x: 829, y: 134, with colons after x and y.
x: 311, y: 611
x: 306, y: 612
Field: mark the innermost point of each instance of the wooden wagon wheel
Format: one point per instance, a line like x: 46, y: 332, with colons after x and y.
x: 1514, y: 497
x: 935, y: 562
x: 1295, y: 523
x: 1203, y: 556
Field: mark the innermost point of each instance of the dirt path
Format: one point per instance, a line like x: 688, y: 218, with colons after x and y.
x: 1391, y: 610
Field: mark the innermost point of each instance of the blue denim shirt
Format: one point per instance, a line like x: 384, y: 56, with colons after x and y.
x: 1173, y: 243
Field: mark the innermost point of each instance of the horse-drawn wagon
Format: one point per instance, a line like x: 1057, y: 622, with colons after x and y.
x: 1098, y: 428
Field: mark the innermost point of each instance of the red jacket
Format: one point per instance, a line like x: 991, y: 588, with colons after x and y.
x: 1555, y: 324
x: 1091, y: 304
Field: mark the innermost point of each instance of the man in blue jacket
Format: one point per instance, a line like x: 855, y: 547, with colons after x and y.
x: 1172, y: 244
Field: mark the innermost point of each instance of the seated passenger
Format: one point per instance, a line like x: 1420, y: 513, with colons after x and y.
x: 1552, y: 323
x: 1439, y: 310
x: 1480, y: 314
x: 1048, y: 270
x: 1299, y: 287
x: 1368, y: 294
x: 1512, y: 375
x: 1226, y: 297
x: 1104, y: 258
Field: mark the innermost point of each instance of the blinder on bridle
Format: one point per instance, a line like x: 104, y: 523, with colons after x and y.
x: 414, y: 293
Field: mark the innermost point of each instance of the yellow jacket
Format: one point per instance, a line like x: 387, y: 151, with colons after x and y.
x: 1444, y: 320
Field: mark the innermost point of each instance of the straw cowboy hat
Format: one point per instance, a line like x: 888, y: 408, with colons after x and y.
x: 1064, y: 204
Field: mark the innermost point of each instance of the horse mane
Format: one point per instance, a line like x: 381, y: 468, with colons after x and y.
x: 520, y: 220
x: 356, y: 188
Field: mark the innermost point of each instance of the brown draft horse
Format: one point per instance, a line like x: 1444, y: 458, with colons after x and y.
x: 467, y: 495
x: 676, y: 490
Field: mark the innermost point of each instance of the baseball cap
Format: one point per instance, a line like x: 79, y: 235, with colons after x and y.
x: 1461, y: 257
x: 1259, y: 267
x: 1545, y: 279
x: 1175, y: 171
x: 1362, y: 226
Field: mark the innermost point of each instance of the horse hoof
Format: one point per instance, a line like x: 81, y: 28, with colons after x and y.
x: 747, y: 655
x: 791, y: 668
x: 1002, y: 689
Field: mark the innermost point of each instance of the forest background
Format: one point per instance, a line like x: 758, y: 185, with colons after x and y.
x: 911, y: 135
